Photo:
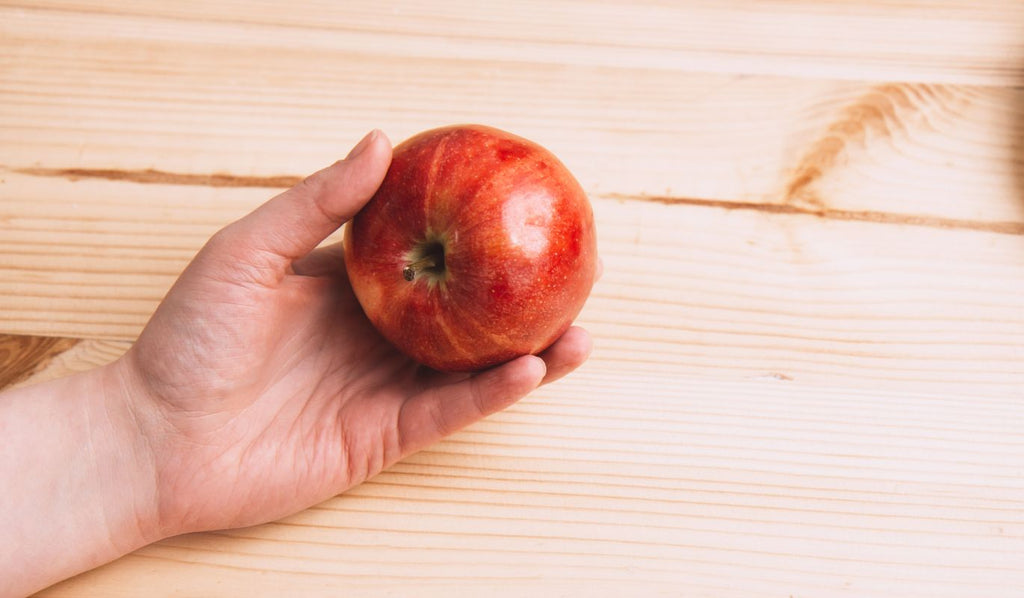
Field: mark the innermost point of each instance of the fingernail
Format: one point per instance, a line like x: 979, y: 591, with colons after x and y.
x: 364, y: 143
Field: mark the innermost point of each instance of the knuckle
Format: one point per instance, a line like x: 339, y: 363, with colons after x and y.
x: 222, y: 240
x: 478, y: 396
x: 439, y: 419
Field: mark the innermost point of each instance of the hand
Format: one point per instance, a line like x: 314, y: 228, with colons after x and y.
x: 260, y: 386
x: 257, y: 389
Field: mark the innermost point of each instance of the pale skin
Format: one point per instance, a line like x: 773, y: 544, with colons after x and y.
x: 257, y: 389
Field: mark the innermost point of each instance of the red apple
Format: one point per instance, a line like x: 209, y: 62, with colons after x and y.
x: 478, y: 247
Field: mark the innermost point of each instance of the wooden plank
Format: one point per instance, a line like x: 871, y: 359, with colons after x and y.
x: 221, y: 102
x: 694, y: 289
x: 810, y: 334
x: 950, y: 41
x: 609, y: 482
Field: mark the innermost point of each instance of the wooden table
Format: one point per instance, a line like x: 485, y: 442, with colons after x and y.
x: 809, y: 373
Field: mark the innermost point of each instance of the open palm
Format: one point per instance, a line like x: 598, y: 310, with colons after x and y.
x: 262, y: 386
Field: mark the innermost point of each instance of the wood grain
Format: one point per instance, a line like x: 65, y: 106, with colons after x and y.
x: 68, y: 356
x: 659, y: 484
x: 23, y: 356
x: 949, y: 41
x: 809, y: 357
x: 97, y: 97
x: 688, y: 289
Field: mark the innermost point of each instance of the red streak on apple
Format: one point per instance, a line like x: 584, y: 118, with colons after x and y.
x: 478, y: 247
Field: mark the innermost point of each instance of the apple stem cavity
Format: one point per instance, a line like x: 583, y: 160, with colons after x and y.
x: 426, y: 259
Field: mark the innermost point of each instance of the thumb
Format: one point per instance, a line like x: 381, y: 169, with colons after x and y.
x: 292, y: 224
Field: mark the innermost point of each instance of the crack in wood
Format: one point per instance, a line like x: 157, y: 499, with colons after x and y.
x: 162, y: 177
x: 805, y: 206
x: 999, y: 227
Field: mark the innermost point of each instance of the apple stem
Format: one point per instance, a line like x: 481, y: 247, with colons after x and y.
x: 425, y: 262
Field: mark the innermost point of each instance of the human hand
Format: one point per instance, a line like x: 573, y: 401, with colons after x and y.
x: 257, y: 389
x: 261, y: 388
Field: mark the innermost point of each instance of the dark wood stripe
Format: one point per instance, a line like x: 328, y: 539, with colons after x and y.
x: 1000, y: 227
x: 161, y: 177
x: 816, y: 209
x: 21, y: 356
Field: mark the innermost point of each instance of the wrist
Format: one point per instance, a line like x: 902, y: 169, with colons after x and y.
x: 81, y: 478
x: 135, y: 517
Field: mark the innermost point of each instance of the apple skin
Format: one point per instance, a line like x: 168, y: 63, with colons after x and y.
x: 518, y: 241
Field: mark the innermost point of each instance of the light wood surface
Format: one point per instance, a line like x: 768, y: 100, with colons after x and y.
x: 809, y: 371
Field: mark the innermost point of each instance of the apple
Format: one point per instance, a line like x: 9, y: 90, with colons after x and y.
x: 478, y: 247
